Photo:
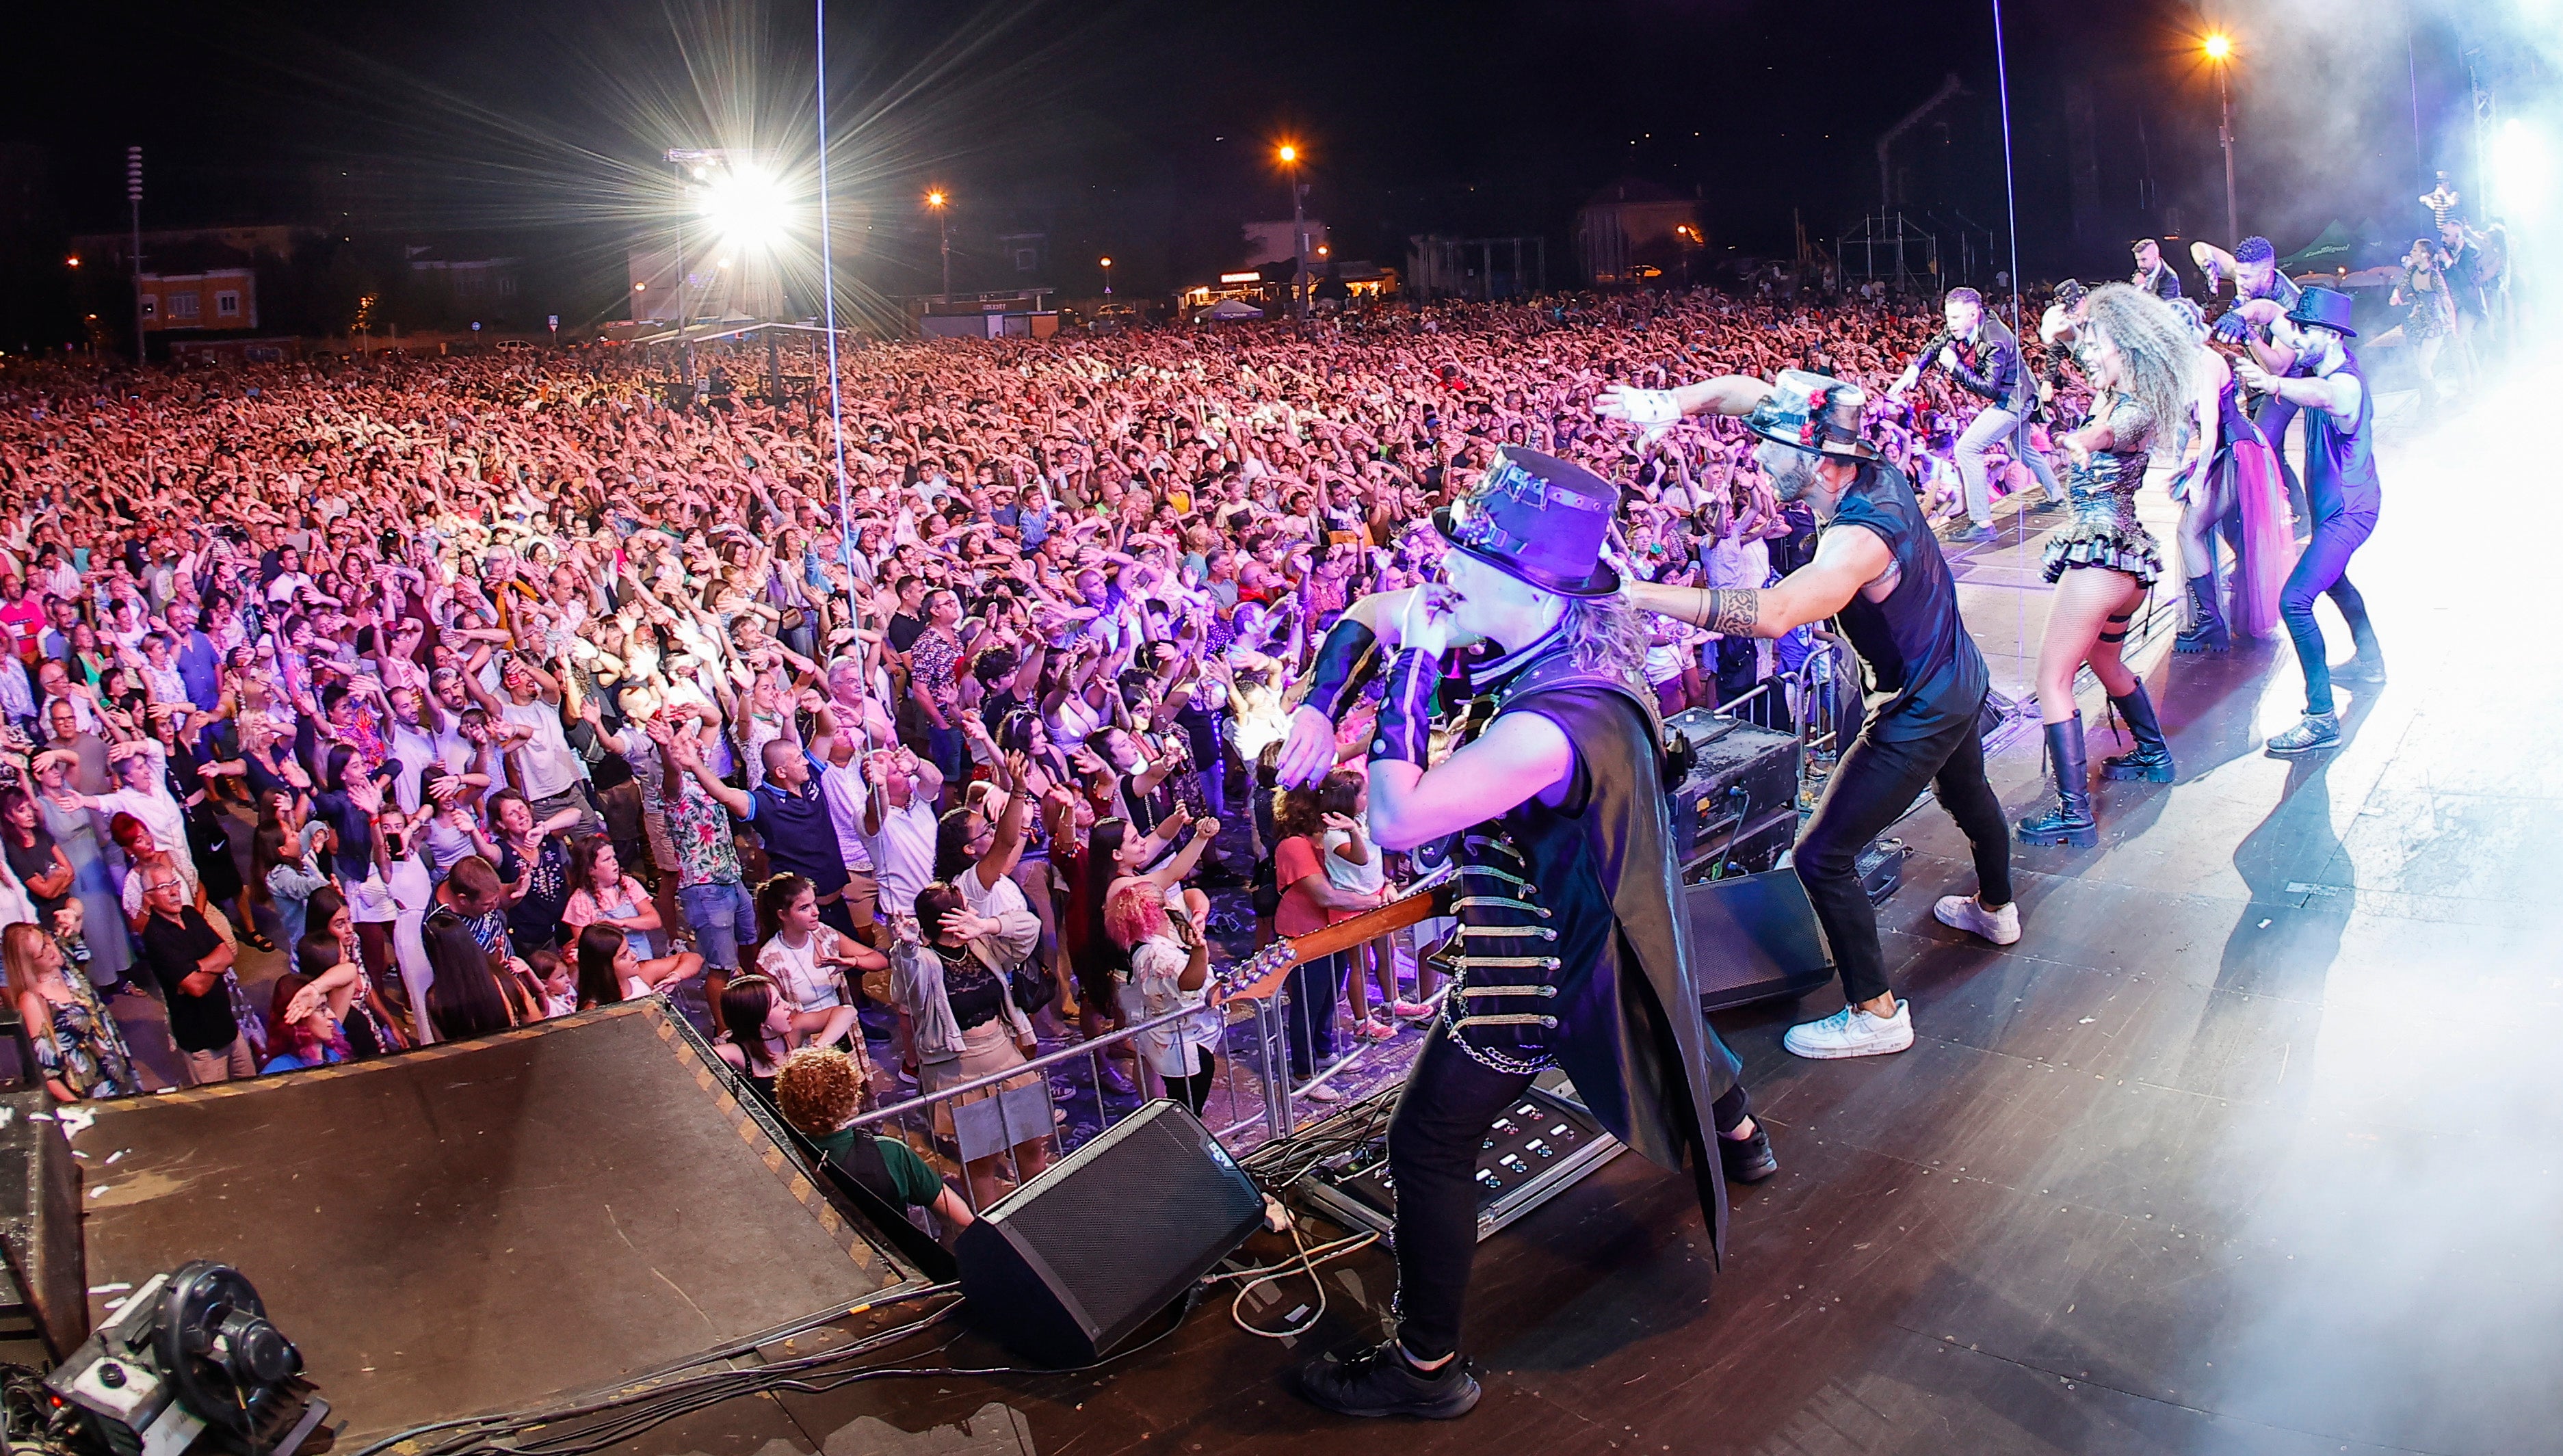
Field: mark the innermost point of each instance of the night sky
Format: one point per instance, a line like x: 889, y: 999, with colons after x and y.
x: 1145, y: 128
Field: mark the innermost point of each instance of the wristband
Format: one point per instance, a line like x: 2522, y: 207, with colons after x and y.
x: 1404, y: 731
x: 1346, y: 662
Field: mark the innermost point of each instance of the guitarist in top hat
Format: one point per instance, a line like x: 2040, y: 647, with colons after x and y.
x: 1571, y: 951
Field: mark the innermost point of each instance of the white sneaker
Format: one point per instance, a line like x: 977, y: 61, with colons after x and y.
x: 1852, y: 1031
x: 2002, y: 927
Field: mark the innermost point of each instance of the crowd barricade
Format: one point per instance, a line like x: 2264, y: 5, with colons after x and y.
x: 1252, y: 1098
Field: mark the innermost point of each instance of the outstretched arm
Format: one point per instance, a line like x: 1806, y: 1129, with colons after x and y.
x: 2336, y: 394
x: 1728, y: 394
x: 1846, y: 561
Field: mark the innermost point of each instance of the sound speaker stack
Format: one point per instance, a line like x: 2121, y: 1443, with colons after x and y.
x: 1737, y: 808
x: 1069, y: 1264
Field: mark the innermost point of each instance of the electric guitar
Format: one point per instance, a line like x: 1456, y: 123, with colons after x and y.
x: 1259, y: 976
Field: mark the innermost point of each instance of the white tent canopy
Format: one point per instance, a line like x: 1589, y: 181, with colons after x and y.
x: 1232, y: 308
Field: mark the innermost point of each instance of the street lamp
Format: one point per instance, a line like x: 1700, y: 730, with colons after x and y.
x: 2220, y: 50
x: 943, y: 227
x: 1107, y: 277
x: 1288, y: 155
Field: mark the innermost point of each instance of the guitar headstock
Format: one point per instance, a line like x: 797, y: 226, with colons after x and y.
x: 1260, y: 966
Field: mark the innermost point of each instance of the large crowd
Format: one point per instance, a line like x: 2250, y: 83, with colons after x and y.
x: 429, y: 697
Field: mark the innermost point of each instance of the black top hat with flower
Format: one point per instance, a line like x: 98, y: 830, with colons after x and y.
x: 1813, y: 412
x: 1537, y: 519
x: 2323, y: 307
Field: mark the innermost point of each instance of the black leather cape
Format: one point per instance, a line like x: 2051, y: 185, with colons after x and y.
x: 1643, y: 1056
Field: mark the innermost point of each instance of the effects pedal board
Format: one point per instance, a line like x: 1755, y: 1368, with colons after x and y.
x: 1537, y: 1149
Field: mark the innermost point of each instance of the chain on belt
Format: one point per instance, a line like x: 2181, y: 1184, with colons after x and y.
x: 1499, y: 961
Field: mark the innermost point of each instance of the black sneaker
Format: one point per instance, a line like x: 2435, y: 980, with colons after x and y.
x: 1747, y: 1159
x: 1380, y: 1382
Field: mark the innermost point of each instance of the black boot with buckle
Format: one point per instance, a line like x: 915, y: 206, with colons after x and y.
x: 2152, y: 760
x: 2070, y: 822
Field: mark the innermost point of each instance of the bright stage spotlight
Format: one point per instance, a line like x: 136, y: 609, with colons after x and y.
x: 2522, y: 171
x: 746, y: 207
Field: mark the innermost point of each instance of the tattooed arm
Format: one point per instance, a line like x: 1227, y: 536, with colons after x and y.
x: 1849, y: 560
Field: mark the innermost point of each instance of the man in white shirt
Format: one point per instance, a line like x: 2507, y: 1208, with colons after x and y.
x: 545, y: 768
x: 898, y: 829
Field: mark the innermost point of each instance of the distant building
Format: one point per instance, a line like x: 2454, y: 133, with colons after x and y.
x: 221, y: 299
x: 1634, y: 233
x: 1476, y: 268
x: 1274, y: 240
x: 466, y: 282
x: 173, y: 250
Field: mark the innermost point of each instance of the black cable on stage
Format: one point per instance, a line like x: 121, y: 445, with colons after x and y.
x: 634, y: 1412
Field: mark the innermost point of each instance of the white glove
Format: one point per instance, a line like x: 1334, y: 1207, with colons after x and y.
x: 1636, y: 406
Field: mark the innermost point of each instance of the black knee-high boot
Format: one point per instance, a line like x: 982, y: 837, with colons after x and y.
x: 2205, y: 631
x: 2152, y: 760
x: 2070, y: 822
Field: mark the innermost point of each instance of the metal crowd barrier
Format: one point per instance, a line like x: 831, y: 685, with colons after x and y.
x: 1004, y: 1124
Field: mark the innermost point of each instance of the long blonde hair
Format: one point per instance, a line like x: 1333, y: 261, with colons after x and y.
x: 2156, y: 351
x: 21, y: 945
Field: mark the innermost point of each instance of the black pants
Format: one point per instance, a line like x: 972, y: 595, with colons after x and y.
x: 1874, y: 783
x: 1433, y: 1144
x: 1194, y: 1091
x: 2323, y: 570
x: 1308, y: 1021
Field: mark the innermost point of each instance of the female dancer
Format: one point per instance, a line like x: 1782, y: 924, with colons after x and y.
x: 2230, y: 470
x: 2424, y: 292
x: 2140, y: 359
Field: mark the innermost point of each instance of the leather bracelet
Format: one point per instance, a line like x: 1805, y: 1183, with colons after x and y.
x: 1404, y: 731
x: 1346, y: 662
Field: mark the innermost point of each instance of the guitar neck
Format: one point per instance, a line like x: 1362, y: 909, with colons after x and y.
x: 1260, y: 974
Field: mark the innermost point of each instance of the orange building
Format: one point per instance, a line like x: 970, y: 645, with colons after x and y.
x: 218, y: 299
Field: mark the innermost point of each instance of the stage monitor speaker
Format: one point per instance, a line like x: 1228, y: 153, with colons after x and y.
x: 1067, y: 1266
x: 1753, y: 938
x: 46, y: 1289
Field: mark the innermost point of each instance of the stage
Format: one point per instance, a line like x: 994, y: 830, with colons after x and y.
x: 2246, y: 1147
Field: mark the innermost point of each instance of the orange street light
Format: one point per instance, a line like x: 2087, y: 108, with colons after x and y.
x: 2219, y: 45
x: 1287, y: 154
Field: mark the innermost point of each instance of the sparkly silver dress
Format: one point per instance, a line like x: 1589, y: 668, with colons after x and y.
x: 2104, y: 530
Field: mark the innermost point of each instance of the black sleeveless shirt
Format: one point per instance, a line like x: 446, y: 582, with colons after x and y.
x: 1914, y: 642
x: 2341, y: 464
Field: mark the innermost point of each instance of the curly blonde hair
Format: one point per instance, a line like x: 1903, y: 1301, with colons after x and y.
x: 2158, y: 353
x: 1606, y: 635
x: 819, y: 1090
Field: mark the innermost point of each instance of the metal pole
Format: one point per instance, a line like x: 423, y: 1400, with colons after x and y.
x: 2011, y: 208
x: 943, y: 228
x: 2225, y: 134
x: 134, y: 196
x: 1299, y: 240
x: 685, y: 349
x: 828, y: 311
